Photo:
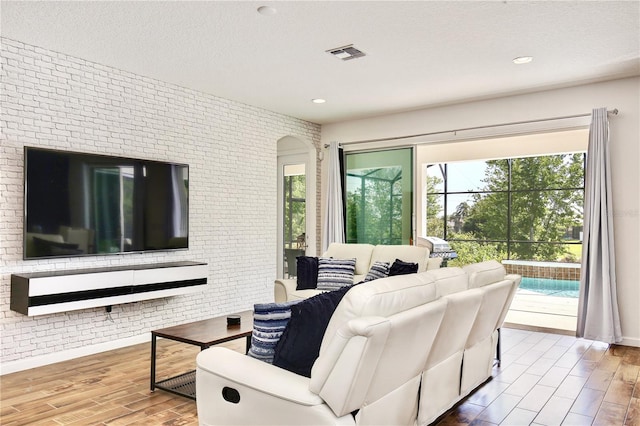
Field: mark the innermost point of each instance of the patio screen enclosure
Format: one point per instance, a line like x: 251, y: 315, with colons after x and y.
x: 379, y: 197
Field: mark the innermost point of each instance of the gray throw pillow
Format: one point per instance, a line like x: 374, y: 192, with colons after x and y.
x: 378, y: 270
x: 335, y: 273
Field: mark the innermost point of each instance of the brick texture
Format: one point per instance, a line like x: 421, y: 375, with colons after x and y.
x: 48, y: 99
x: 569, y: 272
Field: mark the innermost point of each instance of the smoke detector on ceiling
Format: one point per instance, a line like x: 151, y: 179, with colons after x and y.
x: 346, y: 52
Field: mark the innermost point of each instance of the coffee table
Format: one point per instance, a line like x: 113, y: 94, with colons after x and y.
x: 203, y: 333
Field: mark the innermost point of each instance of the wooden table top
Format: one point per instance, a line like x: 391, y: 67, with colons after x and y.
x: 210, y: 331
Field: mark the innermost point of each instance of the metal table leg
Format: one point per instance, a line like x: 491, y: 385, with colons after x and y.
x: 153, y: 361
x: 498, y: 349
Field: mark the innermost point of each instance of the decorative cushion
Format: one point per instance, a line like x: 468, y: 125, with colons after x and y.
x: 307, y: 272
x: 335, y: 273
x: 378, y: 270
x: 402, y: 268
x: 361, y: 252
x: 269, y: 322
x: 299, y: 345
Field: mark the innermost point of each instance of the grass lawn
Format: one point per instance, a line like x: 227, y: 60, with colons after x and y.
x: 574, y: 249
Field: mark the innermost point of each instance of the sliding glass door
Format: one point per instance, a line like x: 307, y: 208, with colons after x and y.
x: 379, y: 196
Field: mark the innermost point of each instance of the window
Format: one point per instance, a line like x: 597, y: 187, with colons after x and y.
x: 379, y: 197
x: 527, y: 208
x: 294, y: 215
x: 294, y: 205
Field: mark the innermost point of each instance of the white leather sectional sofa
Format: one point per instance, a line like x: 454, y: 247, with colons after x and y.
x: 400, y: 350
x: 365, y: 255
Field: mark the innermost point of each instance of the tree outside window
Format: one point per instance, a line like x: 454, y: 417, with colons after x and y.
x: 527, y: 208
x: 294, y: 210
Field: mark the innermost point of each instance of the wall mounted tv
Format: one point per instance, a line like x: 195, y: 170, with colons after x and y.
x: 79, y: 204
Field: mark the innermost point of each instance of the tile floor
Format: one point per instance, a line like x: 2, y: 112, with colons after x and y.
x: 552, y: 379
x: 533, y: 311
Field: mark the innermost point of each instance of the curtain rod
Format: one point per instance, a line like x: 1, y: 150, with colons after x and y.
x: 613, y: 112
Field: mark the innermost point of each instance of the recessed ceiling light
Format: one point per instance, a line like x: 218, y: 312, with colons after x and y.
x: 318, y: 101
x: 267, y: 10
x: 522, y: 60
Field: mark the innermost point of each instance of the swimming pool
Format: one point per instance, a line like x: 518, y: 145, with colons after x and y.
x: 551, y: 287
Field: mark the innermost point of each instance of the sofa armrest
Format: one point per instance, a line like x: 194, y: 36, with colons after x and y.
x: 434, y: 263
x: 345, y: 367
x: 249, y: 372
x: 515, y: 278
x: 283, y: 288
x: 235, y: 389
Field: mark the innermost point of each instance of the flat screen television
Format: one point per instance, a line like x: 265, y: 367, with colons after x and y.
x: 78, y: 204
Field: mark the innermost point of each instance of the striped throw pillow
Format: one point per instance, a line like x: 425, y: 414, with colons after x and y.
x: 335, y: 273
x: 378, y: 270
x: 269, y: 322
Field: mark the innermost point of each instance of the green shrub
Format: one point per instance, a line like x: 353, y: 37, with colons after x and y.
x: 473, y: 251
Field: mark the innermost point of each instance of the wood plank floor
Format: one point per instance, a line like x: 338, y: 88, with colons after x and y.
x: 544, y: 379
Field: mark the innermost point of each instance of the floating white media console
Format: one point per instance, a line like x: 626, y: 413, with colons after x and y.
x: 40, y: 293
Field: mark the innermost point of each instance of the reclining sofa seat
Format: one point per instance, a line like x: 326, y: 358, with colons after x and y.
x: 498, y: 290
x: 478, y: 298
x: 398, y: 350
x: 440, y: 388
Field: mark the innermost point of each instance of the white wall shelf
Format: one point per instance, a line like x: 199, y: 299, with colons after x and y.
x: 41, y: 293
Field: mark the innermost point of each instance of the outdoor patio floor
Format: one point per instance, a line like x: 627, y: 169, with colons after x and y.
x: 534, y: 311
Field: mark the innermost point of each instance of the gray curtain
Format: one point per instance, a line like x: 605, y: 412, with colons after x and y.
x: 333, y: 227
x: 598, y: 317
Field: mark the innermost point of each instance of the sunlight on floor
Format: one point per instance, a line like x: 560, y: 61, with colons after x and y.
x: 531, y: 310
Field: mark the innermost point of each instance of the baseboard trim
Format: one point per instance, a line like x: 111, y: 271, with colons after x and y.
x: 539, y: 329
x: 628, y: 341
x: 39, y: 361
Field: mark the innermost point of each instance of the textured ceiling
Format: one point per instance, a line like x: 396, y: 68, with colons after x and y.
x: 419, y: 53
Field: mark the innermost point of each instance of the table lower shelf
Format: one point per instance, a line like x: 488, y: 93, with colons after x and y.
x: 184, y: 384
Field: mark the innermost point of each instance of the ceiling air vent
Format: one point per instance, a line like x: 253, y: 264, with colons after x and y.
x: 346, y: 52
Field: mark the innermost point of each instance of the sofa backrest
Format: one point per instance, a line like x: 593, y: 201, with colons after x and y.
x: 383, y: 297
x: 439, y: 389
x: 483, y: 273
x: 480, y: 345
x: 360, y: 252
x: 392, y: 395
x: 447, y: 280
x: 493, y: 272
x: 397, y: 348
x: 413, y: 254
x: 376, y: 325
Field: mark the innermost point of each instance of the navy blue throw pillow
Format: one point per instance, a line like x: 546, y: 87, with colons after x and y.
x: 299, y: 346
x: 307, y: 272
x: 402, y: 268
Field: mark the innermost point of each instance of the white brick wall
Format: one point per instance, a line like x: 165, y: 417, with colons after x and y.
x: 48, y: 99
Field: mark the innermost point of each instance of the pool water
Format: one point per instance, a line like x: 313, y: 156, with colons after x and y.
x: 551, y: 287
